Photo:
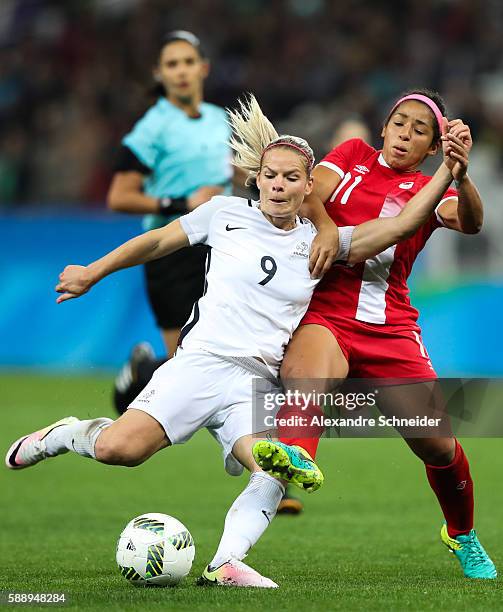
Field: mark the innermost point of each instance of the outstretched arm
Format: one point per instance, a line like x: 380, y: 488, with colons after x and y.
x: 74, y: 281
x: 465, y: 213
x: 375, y: 236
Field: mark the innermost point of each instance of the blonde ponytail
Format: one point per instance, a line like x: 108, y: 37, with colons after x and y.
x: 252, y: 133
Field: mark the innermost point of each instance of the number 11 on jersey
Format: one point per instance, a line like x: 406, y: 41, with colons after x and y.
x: 349, y: 188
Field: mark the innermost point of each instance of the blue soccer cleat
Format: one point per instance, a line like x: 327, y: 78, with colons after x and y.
x: 290, y: 463
x: 470, y: 553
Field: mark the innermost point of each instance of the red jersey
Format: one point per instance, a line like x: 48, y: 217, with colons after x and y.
x: 374, y: 291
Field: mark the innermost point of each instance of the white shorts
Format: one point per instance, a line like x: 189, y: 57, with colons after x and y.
x: 197, y: 389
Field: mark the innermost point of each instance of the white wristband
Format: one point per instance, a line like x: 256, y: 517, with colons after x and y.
x: 345, y: 237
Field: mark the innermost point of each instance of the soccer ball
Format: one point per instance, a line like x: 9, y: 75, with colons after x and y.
x: 155, y: 550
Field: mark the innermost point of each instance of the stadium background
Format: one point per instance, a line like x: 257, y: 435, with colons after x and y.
x: 73, y: 77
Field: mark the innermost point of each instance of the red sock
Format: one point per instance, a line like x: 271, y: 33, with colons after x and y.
x: 296, y: 426
x: 453, y: 487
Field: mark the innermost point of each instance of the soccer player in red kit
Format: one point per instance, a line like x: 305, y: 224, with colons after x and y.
x: 360, y: 323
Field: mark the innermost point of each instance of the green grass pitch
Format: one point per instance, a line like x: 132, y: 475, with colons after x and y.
x: 367, y: 541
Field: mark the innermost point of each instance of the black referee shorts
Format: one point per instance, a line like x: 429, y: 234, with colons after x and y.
x: 174, y: 283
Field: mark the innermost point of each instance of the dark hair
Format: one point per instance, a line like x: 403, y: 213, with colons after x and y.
x: 429, y: 93
x: 185, y: 36
x: 158, y: 89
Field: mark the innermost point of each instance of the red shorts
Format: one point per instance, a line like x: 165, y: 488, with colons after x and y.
x: 378, y: 351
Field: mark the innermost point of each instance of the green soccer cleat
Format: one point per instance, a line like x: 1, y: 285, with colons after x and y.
x: 290, y: 463
x: 470, y: 553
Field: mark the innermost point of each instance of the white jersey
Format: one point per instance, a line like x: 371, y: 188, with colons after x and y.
x: 257, y: 286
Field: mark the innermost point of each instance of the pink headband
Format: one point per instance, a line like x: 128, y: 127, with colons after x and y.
x: 288, y: 144
x: 429, y: 103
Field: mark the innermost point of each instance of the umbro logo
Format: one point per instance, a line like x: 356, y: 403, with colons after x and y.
x: 406, y: 185
x: 230, y: 229
x: 361, y: 169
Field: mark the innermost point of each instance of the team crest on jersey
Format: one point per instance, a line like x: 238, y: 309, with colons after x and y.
x: 301, y: 250
x: 406, y: 185
x: 361, y: 169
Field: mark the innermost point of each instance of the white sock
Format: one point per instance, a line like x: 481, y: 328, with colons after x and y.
x: 79, y: 437
x: 248, y: 517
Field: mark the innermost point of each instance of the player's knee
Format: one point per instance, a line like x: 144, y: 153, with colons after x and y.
x: 115, y: 451
x: 437, y: 451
